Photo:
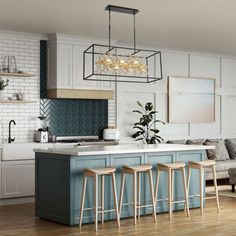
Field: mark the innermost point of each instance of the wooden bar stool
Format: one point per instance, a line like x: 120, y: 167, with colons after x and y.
x: 95, y: 173
x: 169, y: 168
x: 201, y: 165
x: 136, y: 171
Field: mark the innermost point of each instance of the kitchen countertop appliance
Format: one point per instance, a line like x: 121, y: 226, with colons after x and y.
x: 111, y: 133
x: 41, y: 135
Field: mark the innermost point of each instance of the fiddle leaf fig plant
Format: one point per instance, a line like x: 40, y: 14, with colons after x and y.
x: 144, y: 127
x: 3, y: 84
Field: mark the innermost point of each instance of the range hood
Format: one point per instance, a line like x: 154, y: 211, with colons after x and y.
x: 65, y: 65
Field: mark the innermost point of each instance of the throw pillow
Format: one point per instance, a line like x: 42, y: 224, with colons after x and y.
x: 219, y: 153
x: 195, y: 141
x: 231, y: 147
x: 176, y: 141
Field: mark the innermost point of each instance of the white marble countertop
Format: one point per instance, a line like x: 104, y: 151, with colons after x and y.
x: 123, y: 148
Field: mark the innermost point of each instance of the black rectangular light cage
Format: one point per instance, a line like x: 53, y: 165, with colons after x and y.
x: 151, y: 58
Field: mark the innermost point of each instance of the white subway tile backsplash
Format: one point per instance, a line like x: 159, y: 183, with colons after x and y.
x: 27, y: 52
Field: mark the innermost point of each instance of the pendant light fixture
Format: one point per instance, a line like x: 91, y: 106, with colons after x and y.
x: 121, y: 64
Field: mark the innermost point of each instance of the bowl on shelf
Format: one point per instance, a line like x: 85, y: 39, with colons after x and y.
x: 12, y: 98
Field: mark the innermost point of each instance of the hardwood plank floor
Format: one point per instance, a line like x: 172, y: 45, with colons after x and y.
x: 19, y: 220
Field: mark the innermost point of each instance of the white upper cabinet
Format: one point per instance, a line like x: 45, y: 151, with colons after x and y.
x: 65, y: 64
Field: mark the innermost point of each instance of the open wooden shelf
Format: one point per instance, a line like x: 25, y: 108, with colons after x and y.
x: 17, y: 101
x: 16, y: 74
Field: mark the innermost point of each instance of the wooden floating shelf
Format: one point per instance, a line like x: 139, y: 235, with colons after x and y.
x: 17, y: 101
x: 16, y: 74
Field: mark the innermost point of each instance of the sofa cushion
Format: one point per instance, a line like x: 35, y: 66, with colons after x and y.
x: 225, y: 165
x: 220, y: 152
x: 195, y: 141
x: 182, y: 141
x: 232, y: 172
x: 231, y: 147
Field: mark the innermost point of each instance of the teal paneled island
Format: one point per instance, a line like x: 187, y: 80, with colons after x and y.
x: 59, y: 173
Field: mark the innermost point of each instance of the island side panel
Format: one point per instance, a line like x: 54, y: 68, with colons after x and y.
x: 77, y: 165
x: 52, y: 187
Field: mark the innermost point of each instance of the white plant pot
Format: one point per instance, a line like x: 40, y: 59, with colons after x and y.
x: 1, y: 94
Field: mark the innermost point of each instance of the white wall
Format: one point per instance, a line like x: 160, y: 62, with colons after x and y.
x: 26, y: 49
x: 222, y: 68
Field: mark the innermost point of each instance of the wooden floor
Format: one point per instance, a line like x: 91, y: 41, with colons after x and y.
x: 19, y: 220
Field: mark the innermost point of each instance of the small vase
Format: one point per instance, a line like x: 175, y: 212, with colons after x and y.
x: 1, y: 95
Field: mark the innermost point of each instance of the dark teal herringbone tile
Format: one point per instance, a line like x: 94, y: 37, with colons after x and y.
x: 75, y: 117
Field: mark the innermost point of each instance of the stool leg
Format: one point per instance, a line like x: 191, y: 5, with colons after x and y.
x: 121, y: 191
x: 172, y: 185
x: 201, y: 189
x: 135, y: 196
x: 96, y: 202
x: 170, y: 192
x: 138, y: 183
x: 82, y: 201
x: 152, y: 194
x: 185, y: 190
x: 188, y: 183
x: 102, y: 198
x: 157, y: 185
x: 115, y: 199
x: 216, y: 188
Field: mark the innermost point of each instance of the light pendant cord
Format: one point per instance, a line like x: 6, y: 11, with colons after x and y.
x: 109, y: 28
x: 134, y: 35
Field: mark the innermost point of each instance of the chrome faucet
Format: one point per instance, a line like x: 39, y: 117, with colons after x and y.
x: 10, y: 140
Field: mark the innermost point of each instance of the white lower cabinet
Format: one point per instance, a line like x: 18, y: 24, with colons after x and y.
x: 17, y: 178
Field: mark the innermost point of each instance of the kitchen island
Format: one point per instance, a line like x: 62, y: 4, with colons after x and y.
x: 59, y: 173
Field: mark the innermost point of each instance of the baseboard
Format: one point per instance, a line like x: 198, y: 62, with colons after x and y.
x: 16, y: 201
x: 220, y: 187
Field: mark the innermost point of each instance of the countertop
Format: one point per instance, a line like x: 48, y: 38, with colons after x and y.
x: 123, y: 148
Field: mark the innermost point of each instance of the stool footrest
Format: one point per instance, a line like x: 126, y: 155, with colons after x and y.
x: 99, y: 211
x: 209, y: 197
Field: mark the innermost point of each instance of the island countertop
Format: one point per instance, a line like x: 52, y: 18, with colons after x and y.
x: 123, y: 148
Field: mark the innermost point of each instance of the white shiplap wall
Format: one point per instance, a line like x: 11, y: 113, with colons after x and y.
x: 222, y: 68
x: 25, y: 47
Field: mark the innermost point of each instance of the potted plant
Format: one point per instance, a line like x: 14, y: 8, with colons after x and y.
x: 3, y: 85
x: 144, y: 127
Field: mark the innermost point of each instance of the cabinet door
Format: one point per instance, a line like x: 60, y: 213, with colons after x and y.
x: 64, y: 66
x: 17, y: 179
x: 78, y: 82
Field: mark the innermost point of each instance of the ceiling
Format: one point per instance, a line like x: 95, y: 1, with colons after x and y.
x: 203, y: 25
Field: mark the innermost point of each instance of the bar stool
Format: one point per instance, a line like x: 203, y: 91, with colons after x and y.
x: 169, y: 168
x: 95, y: 173
x: 135, y: 171
x: 201, y: 165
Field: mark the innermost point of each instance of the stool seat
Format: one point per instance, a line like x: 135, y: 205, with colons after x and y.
x: 202, y: 163
x: 99, y: 171
x: 140, y: 168
x: 175, y: 165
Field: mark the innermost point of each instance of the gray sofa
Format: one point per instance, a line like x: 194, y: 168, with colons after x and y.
x: 224, y: 154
